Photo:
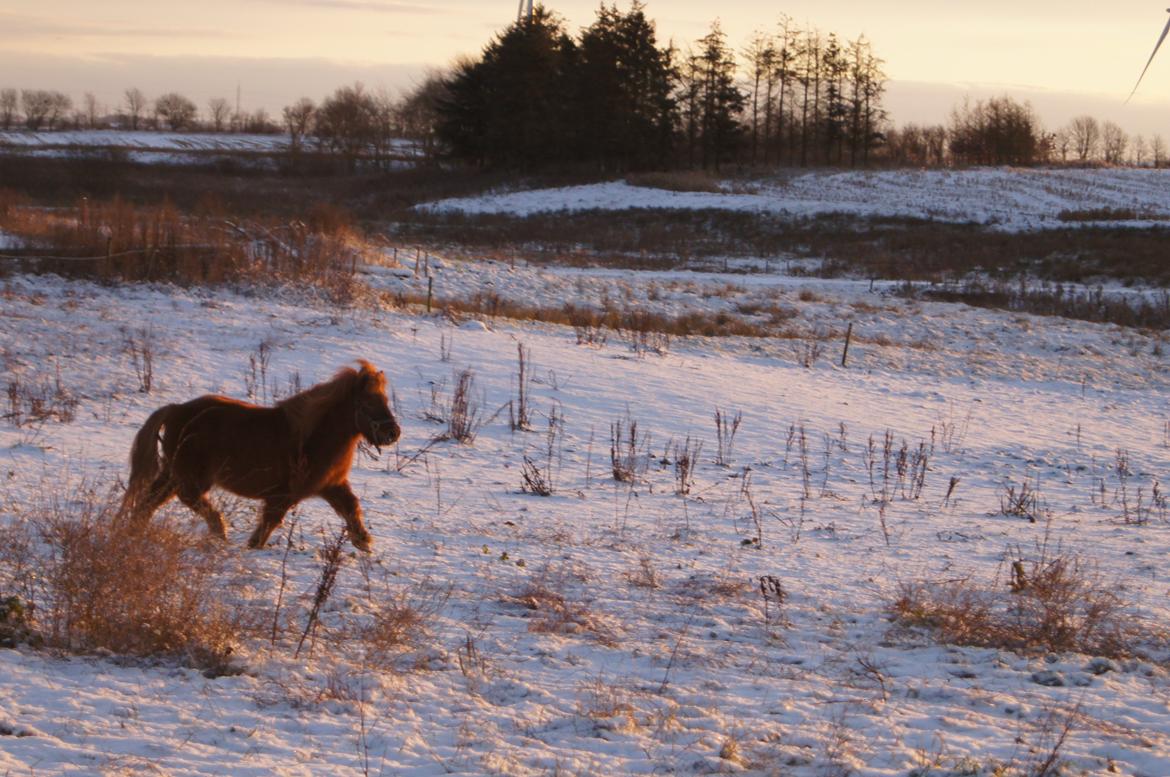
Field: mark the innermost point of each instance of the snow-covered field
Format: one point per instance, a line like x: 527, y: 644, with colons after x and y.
x: 665, y: 658
x: 144, y: 140
x: 1005, y: 198
x: 151, y: 147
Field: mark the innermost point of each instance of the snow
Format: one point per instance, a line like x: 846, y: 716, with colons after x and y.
x: 144, y: 140
x: 670, y: 655
x: 160, y: 147
x: 1005, y: 198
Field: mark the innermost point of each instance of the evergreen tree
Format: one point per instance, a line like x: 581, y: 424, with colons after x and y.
x: 625, y: 89
x: 720, y: 101
x: 510, y: 107
x: 834, y: 67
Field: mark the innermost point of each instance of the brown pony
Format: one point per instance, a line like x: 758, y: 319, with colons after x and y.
x: 302, y: 447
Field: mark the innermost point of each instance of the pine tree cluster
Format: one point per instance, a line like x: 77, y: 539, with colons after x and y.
x: 612, y: 98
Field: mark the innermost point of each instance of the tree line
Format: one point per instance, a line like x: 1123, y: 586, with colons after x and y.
x: 47, y: 109
x: 612, y: 98
x: 1004, y: 131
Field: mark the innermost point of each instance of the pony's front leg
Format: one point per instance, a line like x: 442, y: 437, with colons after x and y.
x: 343, y: 501
x: 271, y: 516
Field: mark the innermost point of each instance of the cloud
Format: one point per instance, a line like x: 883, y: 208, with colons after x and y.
x: 16, y: 25
x: 369, y: 6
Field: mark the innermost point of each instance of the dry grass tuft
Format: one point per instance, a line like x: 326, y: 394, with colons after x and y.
x: 398, y: 625
x: 610, y: 706
x: 97, y: 583
x: 1055, y: 603
x: 38, y: 400
x: 555, y: 612
x: 708, y: 588
x: 644, y: 575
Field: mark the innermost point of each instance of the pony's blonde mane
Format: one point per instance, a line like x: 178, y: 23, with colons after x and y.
x: 306, y: 409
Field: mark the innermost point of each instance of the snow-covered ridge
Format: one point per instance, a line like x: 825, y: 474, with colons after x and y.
x: 1005, y: 198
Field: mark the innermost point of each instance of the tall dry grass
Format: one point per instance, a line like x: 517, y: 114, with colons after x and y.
x: 95, y: 582
x: 117, y: 240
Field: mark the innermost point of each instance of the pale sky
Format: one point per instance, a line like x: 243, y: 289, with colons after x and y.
x: 1067, y: 57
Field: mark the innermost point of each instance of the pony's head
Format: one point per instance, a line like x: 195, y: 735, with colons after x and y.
x: 374, y: 419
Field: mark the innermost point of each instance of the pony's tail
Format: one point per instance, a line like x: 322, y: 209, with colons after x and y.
x: 145, y: 462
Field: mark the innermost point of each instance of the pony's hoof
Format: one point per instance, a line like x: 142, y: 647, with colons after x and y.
x: 212, y: 541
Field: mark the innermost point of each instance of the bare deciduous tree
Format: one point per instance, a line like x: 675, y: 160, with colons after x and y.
x: 1141, y: 151
x: 93, y: 110
x: 44, y: 108
x: 258, y: 121
x: 1085, y: 133
x: 346, y: 121
x: 761, y: 55
x: 219, y: 111
x: 1113, y: 143
x: 298, y: 120
x: 8, y: 103
x: 176, y: 110
x: 418, y: 115
x: 135, y: 106
x: 1062, y: 143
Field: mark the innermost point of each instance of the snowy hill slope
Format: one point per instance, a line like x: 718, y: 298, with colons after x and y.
x: 664, y: 655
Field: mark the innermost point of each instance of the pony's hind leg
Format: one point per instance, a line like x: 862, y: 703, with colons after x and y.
x: 345, y: 503
x: 140, y: 504
x: 203, y: 507
x: 271, y: 516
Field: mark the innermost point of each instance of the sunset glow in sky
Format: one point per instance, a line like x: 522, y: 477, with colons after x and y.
x: 1068, y: 57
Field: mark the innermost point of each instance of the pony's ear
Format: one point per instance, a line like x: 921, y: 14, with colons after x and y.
x: 369, y: 378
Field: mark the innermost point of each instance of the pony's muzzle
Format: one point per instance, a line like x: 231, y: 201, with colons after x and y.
x: 385, y: 432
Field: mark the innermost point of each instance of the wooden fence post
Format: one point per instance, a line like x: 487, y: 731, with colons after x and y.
x: 848, y: 337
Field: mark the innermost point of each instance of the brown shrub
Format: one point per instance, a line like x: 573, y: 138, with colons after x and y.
x: 395, y: 623
x: 1055, y: 603
x: 98, y: 583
